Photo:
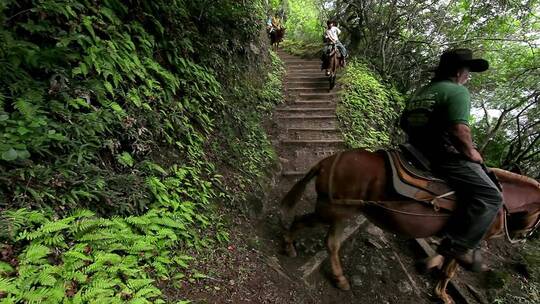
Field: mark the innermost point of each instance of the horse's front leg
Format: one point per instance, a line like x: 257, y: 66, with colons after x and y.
x: 333, y: 243
x: 448, y: 271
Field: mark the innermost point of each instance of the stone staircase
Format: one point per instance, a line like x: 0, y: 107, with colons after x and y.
x: 308, y: 123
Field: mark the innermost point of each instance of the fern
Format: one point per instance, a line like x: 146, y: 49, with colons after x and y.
x: 27, y: 109
x: 46, y: 279
x: 35, y: 253
x: 136, y: 284
x: 56, y: 240
x: 74, y: 255
x: 8, y: 286
x: 148, y: 291
x: 37, y: 295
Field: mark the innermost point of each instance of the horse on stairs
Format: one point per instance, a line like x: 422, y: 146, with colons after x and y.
x: 276, y: 37
x: 397, y: 198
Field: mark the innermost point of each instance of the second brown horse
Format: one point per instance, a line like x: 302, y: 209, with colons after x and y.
x: 357, y: 181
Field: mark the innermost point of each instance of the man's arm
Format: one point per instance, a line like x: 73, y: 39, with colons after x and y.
x: 461, y: 137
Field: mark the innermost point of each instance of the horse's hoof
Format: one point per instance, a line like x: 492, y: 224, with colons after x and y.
x: 442, y: 299
x: 290, y: 251
x: 343, y: 284
x: 426, y: 265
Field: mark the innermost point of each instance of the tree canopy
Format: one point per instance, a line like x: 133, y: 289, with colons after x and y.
x: 402, y: 39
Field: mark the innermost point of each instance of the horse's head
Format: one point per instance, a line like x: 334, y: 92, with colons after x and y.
x: 522, y: 201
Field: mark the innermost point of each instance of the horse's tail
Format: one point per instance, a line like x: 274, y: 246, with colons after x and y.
x: 293, y: 196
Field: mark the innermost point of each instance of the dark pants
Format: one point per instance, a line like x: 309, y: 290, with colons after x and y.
x: 479, y: 200
x: 341, y: 49
x: 327, y: 50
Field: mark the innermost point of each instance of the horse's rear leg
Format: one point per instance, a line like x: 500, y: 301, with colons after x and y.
x: 333, y: 243
x: 306, y: 220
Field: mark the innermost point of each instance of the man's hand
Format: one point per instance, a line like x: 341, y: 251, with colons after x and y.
x: 475, y: 156
x: 462, y: 139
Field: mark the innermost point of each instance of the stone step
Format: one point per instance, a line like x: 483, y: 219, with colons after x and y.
x: 313, y: 133
x: 306, y: 73
x: 307, y: 84
x: 306, y: 78
x: 321, y: 89
x: 304, y: 69
x: 296, y: 60
x: 317, y: 96
x: 303, y: 158
x: 313, y: 103
x: 303, y: 66
x: 308, y: 116
x: 307, y: 110
x: 314, y: 142
x: 302, y: 61
x: 299, y: 121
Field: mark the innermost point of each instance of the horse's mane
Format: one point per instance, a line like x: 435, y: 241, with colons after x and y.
x: 512, y: 177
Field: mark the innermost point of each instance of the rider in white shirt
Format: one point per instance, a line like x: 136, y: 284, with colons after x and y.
x: 332, y: 37
x: 332, y: 33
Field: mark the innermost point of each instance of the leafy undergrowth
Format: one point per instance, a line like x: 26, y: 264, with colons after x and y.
x: 520, y: 283
x: 116, y: 118
x: 368, y: 110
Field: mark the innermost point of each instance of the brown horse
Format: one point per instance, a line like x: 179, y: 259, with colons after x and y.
x: 276, y: 37
x: 358, y: 181
x: 333, y: 66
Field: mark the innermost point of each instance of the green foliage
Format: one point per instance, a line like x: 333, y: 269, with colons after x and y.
x: 85, y: 257
x: 246, y: 139
x: 96, y: 99
x: 304, y: 21
x: 368, y: 109
x: 507, y: 126
x: 524, y: 290
x: 83, y: 112
x: 127, y: 111
x: 271, y: 92
x: 107, y: 260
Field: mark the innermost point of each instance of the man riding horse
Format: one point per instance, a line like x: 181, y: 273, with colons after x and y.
x: 273, y: 24
x: 436, y: 120
x: 384, y: 187
x: 331, y: 40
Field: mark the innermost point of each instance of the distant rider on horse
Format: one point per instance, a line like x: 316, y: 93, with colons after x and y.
x: 436, y: 120
x: 331, y: 39
x: 273, y: 24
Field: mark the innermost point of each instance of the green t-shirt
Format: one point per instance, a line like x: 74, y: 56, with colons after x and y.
x: 431, y: 111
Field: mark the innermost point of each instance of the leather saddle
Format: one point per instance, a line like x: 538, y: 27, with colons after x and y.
x: 412, y: 178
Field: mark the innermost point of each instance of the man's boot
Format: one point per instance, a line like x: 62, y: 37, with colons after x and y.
x: 470, y: 259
